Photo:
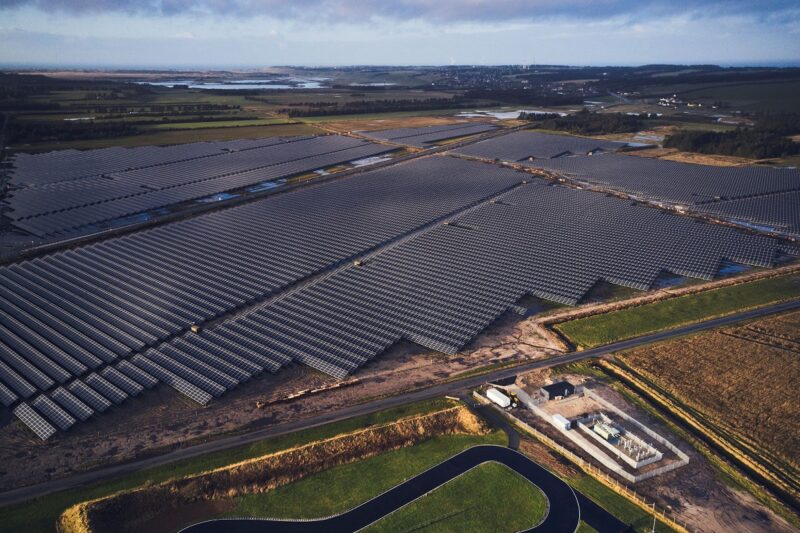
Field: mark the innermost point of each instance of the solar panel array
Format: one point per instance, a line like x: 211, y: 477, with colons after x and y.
x: 66, y: 206
x: 676, y: 182
x: 68, y: 315
x: 53, y: 168
x: 442, y: 288
x: 88, y: 328
x: 757, y: 194
x: 779, y: 210
x: 422, y: 137
x: 522, y: 145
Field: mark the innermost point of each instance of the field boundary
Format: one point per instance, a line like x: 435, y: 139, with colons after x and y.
x: 739, y: 454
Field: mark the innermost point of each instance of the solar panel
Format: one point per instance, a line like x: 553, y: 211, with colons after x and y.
x: 108, y: 300
x: 137, y: 374
x: 55, y: 414
x: 88, y: 395
x: 7, y: 396
x: 108, y: 390
x: 71, y: 403
x: 185, y: 372
x: 47, y: 208
x: 422, y: 137
x: 123, y: 382
x: 16, y: 382
x: 437, y: 285
x: 41, y: 427
x: 189, y: 390
x: 688, y: 183
x: 443, y: 287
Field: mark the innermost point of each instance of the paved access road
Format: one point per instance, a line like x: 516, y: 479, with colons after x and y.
x: 451, y: 387
x: 563, y: 515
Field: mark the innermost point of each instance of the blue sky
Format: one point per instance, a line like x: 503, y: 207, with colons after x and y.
x: 258, y: 33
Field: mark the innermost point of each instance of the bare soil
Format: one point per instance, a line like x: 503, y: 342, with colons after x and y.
x: 673, y: 154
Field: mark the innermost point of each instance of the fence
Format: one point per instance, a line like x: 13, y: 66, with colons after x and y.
x: 612, y: 483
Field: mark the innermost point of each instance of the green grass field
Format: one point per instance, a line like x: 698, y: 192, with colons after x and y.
x: 619, y: 325
x: 177, y: 137
x: 218, y: 124
x: 490, y: 497
x: 344, y: 487
x: 41, y: 514
x: 772, y: 97
x: 619, y: 506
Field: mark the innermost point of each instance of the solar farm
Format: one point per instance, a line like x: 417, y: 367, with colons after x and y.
x: 331, y: 275
x: 424, y: 137
x: 758, y: 195
x: 108, y: 184
x: 528, y: 145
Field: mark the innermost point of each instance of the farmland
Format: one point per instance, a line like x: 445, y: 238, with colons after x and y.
x: 741, y: 379
x: 178, y: 137
x: 729, y: 393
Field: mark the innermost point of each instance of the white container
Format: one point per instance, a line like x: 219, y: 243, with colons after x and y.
x: 499, y: 398
x: 560, y: 422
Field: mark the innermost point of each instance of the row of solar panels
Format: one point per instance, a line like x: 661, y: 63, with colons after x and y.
x: 185, y: 370
x: 75, y: 312
x: 523, y: 145
x: 56, y: 170
x: 72, y: 219
x: 422, y: 137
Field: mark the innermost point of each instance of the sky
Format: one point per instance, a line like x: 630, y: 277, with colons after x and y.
x: 262, y: 33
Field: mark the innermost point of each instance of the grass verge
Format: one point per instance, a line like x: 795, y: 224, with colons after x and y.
x: 343, y: 487
x: 490, y: 497
x: 40, y: 514
x: 649, y: 318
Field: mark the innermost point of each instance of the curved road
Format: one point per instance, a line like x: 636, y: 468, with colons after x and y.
x: 452, y: 387
x: 563, y: 516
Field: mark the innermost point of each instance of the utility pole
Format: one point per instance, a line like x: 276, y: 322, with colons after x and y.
x: 654, y: 518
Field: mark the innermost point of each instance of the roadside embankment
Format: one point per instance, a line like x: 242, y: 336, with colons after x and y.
x: 139, y: 506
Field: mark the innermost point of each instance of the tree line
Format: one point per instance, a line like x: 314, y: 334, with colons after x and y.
x: 767, y: 139
x: 309, y: 109
x: 585, y: 122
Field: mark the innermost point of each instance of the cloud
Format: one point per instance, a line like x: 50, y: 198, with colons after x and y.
x: 429, y: 10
